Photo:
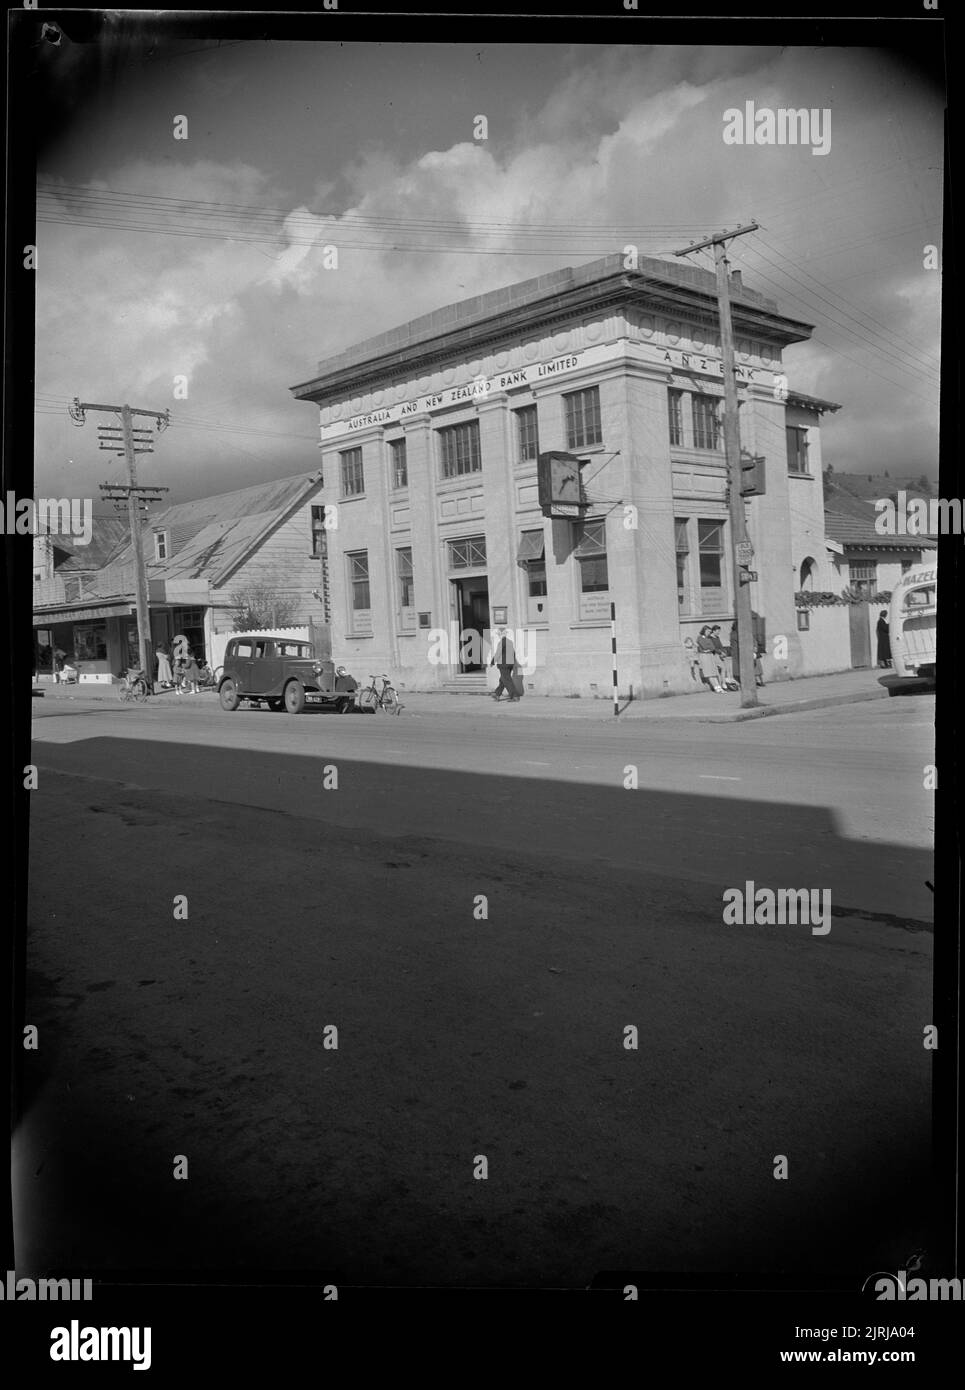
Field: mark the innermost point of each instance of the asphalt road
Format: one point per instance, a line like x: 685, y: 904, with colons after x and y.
x: 463, y: 1036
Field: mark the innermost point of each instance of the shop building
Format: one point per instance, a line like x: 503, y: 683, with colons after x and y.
x: 264, y: 545
x: 430, y: 436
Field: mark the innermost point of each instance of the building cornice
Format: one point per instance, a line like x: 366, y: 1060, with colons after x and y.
x: 619, y: 289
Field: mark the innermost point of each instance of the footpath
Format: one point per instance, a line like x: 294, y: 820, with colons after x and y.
x: 782, y: 697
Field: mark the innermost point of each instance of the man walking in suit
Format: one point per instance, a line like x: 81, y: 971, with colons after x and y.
x: 504, y: 656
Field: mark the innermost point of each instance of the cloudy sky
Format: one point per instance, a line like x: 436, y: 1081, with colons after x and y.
x: 203, y: 258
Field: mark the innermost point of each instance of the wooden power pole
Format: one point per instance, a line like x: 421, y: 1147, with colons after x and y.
x: 132, y: 441
x: 741, y: 553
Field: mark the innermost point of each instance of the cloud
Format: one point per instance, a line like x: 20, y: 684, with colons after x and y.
x: 628, y: 142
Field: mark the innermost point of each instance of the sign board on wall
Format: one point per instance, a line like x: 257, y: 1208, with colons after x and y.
x: 594, y: 607
x: 481, y: 387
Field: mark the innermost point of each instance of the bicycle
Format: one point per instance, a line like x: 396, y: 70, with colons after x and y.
x: 135, y: 686
x: 370, y: 698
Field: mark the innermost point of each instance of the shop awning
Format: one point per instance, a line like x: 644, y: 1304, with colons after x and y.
x: 83, y: 615
x: 530, y: 547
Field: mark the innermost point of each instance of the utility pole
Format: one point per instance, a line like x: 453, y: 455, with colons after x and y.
x: 133, y: 442
x: 741, y: 553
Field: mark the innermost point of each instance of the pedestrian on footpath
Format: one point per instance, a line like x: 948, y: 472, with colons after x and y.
x: 722, y: 656
x: 884, y: 639
x: 707, y: 659
x: 165, y: 677
x: 190, y: 674
x: 504, y: 657
x: 760, y: 645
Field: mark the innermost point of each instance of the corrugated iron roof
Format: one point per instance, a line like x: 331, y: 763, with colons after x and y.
x: 210, y: 536
x: 108, y: 535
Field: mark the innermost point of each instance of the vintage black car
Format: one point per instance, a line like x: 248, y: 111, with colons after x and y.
x: 284, y: 674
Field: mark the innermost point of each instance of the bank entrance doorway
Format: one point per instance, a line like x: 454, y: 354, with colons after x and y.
x: 470, y: 601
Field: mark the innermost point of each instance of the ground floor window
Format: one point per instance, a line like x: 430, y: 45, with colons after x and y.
x: 188, y: 623
x: 360, y: 611
x: 710, y: 545
x: 403, y: 561
x: 531, y: 558
x: 682, y: 545
x: 593, y: 574
x: 863, y: 576
x: 90, y: 642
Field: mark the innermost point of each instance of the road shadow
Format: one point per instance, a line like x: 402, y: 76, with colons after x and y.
x: 481, y: 978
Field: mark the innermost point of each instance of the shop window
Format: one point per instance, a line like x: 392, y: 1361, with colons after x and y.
x: 400, y: 467
x: 459, y: 449
x: 353, y: 478
x: 90, y: 642
x: 189, y: 623
x: 706, y: 417
x: 583, y: 427
x: 593, y: 574
x: 710, y: 545
x: 527, y: 434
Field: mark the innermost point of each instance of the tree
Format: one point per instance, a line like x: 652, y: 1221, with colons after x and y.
x: 924, y: 485
x: 263, y: 603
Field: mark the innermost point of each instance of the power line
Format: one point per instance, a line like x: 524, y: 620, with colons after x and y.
x: 842, y: 299
x: 894, y: 356
x: 902, y: 385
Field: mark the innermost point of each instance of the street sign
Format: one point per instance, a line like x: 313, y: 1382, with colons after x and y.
x: 748, y: 576
x: 745, y: 552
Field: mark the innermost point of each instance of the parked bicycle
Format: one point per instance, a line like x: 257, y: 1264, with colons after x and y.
x: 135, y: 686
x: 370, y: 698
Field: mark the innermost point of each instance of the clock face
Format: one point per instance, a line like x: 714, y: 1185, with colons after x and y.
x: 566, y: 481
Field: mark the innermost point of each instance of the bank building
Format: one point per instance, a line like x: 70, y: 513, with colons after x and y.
x: 430, y: 439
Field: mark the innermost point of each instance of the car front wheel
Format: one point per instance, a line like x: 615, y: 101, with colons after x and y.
x: 294, y: 697
x: 230, y: 699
